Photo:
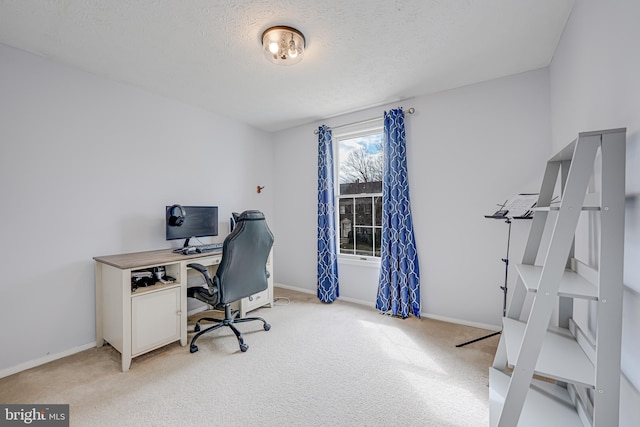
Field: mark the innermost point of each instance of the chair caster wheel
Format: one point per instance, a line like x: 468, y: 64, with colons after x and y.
x: 193, y: 348
x: 267, y: 326
x: 196, y: 328
x: 244, y: 347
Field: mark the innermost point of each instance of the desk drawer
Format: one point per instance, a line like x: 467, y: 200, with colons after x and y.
x: 256, y: 300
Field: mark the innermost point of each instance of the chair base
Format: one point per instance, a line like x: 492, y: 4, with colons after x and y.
x: 229, y: 320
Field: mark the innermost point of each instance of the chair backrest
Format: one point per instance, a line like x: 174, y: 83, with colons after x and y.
x: 242, y: 271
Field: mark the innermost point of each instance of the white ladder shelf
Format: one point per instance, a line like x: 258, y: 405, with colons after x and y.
x: 577, y: 366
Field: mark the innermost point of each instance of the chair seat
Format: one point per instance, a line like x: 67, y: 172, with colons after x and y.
x: 202, y: 294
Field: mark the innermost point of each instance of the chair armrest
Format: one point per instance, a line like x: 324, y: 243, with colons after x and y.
x: 201, y: 268
x: 207, y: 276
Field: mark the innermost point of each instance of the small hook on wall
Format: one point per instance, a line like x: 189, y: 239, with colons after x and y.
x: 259, y: 189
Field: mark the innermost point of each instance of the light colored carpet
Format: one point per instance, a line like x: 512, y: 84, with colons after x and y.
x: 320, y: 365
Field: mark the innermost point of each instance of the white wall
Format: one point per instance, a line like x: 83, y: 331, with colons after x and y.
x: 595, y: 84
x: 467, y: 149
x: 87, y: 166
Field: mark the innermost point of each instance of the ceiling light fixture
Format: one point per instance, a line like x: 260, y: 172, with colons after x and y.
x: 283, y: 45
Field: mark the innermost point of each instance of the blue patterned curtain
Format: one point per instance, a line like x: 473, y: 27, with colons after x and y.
x: 327, y: 252
x: 399, y: 285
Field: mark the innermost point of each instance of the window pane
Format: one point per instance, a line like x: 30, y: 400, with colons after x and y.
x: 364, y: 241
x: 360, y: 164
x: 377, y: 202
x: 377, y: 236
x: 346, y: 226
x: 364, y: 211
x: 360, y: 187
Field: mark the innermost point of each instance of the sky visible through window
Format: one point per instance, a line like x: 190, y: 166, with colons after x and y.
x: 372, y: 145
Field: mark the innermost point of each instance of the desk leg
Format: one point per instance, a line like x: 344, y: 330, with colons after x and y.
x: 126, y: 363
x: 183, y: 303
x: 126, y: 326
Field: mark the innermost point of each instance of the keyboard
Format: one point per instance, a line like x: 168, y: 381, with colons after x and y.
x: 209, y: 247
x: 198, y: 249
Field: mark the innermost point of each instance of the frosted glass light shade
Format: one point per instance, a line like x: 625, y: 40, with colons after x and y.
x: 283, y: 45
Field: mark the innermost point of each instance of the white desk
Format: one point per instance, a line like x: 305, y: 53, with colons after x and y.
x: 137, y: 322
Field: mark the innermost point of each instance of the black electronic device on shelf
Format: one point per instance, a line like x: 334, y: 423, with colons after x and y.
x: 150, y: 277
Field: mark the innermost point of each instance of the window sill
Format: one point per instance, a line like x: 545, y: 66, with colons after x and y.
x: 362, y: 261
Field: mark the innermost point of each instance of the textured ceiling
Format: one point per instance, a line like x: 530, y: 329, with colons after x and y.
x: 360, y: 53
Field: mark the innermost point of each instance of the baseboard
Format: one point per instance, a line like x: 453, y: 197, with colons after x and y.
x: 370, y: 304
x: 422, y: 314
x: 307, y: 291
x: 486, y: 326
x: 293, y: 288
x: 46, y: 359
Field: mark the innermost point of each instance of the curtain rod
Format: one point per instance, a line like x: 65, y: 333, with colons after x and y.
x: 410, y: 110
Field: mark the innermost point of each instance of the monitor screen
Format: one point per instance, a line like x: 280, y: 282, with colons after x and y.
x: 184, y: 222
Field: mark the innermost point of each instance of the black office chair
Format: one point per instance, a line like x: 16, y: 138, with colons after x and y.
x: 242, y: 272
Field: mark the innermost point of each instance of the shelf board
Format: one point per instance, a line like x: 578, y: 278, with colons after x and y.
x: 561, y: 357
x: 572, y: 284
x: 154, y: 288
x: 546, y: 404
x: 591, y: 203
x: 557, y: 208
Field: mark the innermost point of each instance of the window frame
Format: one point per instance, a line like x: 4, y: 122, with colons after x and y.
x: 364, y: 129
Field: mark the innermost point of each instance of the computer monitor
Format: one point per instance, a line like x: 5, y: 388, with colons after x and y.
x: 185, y: 222
x: 233, y: 220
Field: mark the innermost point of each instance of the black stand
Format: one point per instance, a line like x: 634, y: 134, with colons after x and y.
x: 503, y: 287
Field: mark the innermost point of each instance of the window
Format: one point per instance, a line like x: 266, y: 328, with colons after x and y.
x: 360, y: 168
